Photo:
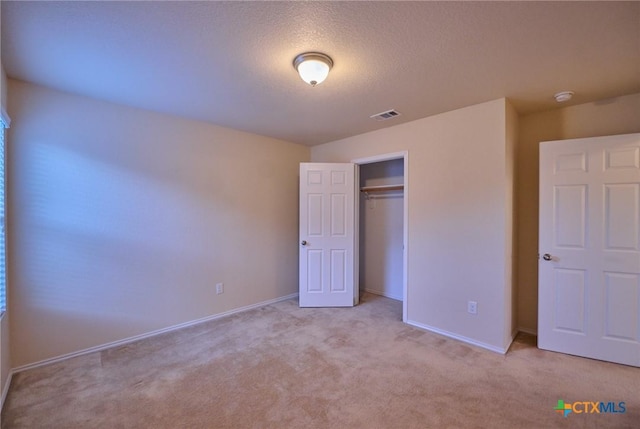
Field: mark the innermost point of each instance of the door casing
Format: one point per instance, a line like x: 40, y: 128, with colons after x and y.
x: 404, y: 155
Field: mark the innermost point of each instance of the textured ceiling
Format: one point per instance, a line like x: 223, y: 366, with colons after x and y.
x: 230, y: 63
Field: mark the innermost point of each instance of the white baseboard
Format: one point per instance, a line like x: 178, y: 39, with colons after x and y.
x: 5, y: 389
x: 459, y: 337
x: 528, y: 331
x: 147, y: 335
x: 386, y: 295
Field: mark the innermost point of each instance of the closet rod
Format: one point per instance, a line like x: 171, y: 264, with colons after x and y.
x: 382, y: 188
x: 366, y: 189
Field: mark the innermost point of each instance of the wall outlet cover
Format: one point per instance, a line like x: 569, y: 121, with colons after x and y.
x: 472, y: 307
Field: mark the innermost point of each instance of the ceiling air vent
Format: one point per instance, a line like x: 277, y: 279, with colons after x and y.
x: 383, y: 116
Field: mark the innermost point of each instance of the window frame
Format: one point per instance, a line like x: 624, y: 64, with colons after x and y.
x: 5, y: 122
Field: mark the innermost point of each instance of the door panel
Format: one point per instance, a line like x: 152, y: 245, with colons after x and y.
x: 570, y: 216
x: 589, y: 288
x: 621, y: 216
x: 338, y: 270
x: 621, y: 306
x: 570, y: 287
x: 327, y: 236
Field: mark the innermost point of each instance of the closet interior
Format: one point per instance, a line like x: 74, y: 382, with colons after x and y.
x: 381, y: 228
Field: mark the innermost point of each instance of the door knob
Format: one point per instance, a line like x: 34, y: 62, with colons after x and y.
x: 546, y: 257
x: 304, y: 242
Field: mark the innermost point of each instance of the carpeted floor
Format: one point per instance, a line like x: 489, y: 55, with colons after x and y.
x: 281, y: 366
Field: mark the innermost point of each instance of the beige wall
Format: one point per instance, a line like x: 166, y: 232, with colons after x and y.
x: 607, y: 117
x: 193, y: 204
x: 458, y: 216
x: 511, y: 275
x: 5, y: 351
x: 3, y: 86
x: 5, y: 346
x: 122, y: 221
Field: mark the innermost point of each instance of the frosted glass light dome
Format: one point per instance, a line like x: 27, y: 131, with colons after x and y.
x: 313, y: 67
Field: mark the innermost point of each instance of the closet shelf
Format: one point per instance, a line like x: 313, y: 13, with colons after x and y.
x: 382, y: 188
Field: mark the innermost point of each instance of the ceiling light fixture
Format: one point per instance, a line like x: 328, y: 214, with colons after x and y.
x: 313, y: 67
x: 563, y: 96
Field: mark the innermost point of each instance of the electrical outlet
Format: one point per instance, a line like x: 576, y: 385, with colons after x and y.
x: 472, y: 307
x: 219, y: 288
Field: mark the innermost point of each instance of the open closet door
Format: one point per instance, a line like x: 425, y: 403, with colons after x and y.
x: 327, y: 235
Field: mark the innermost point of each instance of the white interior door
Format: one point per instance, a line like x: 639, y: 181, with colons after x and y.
x: 589, y: 268
x: 327, y: 235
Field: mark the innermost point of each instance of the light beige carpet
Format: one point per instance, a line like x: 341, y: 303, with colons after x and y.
x: 281, y: 366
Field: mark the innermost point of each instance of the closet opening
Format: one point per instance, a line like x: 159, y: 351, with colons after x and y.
x: 382, y: 226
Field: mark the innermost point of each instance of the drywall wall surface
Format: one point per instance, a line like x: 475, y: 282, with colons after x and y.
x: 456, y: 220
x: 3, y: 87
x: 511, y: 293
x: 381, y: 230
x: 5, y: 345
x: 122, y: 221
x: 619, y: 115
x: 3, y: 75
x: 5, y: 334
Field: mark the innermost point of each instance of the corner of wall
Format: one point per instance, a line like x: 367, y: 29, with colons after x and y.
x: 3, y: 83
x: 3, y: 75
x: 3, y: 87
x: 5, y: 345
x: 511, y: 238
x: 179, y: 194
x: 463, y: 151
x: 618, y: 115
x: 5, y: 391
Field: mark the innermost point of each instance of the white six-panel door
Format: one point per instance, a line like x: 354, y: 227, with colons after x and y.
x: 327, y: 236
x: 589, y: 265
